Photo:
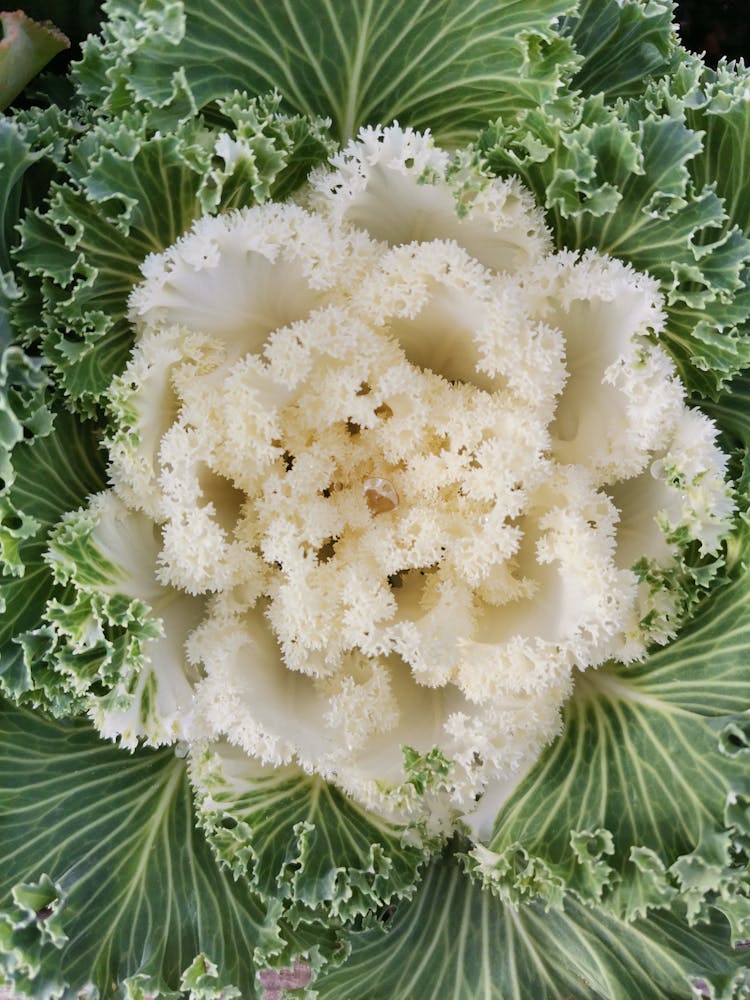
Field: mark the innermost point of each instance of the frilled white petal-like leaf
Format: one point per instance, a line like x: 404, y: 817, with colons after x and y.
x: 622, y: 397
x: 238, y: 277
x: 350, y: 727
x: 399, y: 187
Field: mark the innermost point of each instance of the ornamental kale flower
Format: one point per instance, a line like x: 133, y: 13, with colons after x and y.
x: 373, y: 507
x: 387, y: 473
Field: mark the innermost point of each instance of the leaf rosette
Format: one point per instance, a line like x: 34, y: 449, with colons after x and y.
x: 388, y: 472
x: 404, y: 494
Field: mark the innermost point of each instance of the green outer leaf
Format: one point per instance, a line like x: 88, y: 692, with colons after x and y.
x: 15, y: 159
x: 448, y: 65
x: 23, y: 602
x: 454, y: 942
x: 55, y: 473
x: 134, y: 193
x: 714, y: 103
x: 25, y: 141
x: 88, y: 267
x: 139, y: 892
x: 300, y: 839
x: 731, y: 411
x: 8, y: 293
x: 642, y: 762
x: 623, y: 42
x: 50, y: 475
x: 621, y: 180
x: 23, y: 405
x: 26, y: 48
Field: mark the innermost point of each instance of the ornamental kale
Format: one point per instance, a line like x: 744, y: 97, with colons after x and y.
x: 373, y: 515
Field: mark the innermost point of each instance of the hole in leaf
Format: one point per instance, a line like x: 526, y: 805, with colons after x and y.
x: 734, y: 738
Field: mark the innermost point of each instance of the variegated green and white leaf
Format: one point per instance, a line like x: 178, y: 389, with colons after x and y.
x: 447, y: 65
x: 300, y: 839
x: 635, y: 795
x: 104, y: 844
x: 638, y: 182
x: 623, y: 43
x: 455, y: 942
x: 133, y: 193
x: 48, y: 475
x: 731, y: 411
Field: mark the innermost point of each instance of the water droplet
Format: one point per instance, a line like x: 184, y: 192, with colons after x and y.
x: 380, y: 495
x: 657, y: 469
